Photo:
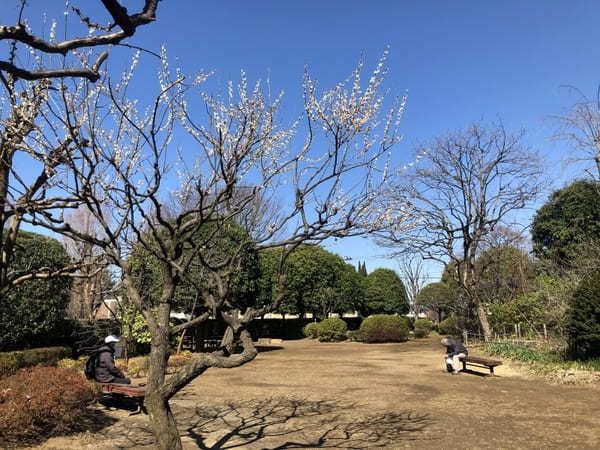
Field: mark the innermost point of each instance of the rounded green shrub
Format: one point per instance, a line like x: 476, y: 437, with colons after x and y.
x: 384, y: 328
x: 449, y: 326
x: 583, y: 323
x: 332, y: 329
x: 311, y: 330
x: 422, y: 328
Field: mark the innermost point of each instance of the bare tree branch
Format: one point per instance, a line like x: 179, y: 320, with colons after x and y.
x: 469, y: 182
x: 19, y: 33
x: 580, y: 126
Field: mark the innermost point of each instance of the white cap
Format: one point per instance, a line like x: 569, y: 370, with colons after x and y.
x: 111, y: 338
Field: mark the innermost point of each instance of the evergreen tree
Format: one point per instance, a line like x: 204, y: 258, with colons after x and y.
x: 362, y: 270
x: 33, y: 313
x: 583, y: 324
x: 385, y: 293
x: 570, y: 218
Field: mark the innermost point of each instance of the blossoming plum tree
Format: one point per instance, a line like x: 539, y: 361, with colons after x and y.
x: 39, y: 73
x: 326, y: 173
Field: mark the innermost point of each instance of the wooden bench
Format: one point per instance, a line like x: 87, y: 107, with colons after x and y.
x: 480, y: 362
x: 136, y: 392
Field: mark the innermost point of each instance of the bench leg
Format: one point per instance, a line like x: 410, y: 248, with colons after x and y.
x: 464, y: 365
x: 140, y: 407
x: 492, y: 370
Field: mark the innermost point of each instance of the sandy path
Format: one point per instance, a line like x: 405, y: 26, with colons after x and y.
x: 307, y: 394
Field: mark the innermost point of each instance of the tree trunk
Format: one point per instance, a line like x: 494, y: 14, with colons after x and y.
x: 166, y: 435
x: 485, y: 325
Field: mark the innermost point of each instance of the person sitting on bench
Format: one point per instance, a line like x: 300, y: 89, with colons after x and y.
x: 106, y: 372
x: 454, y: 351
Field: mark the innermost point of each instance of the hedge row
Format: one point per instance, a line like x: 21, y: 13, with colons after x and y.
x: 10, y: 362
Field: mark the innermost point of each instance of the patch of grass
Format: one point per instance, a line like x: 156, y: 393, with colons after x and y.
x: 589, y: 364
x: 554, y: 357
x: 518, y: 352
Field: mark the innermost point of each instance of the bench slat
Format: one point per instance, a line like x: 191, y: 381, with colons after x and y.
x: 482, y: 361
x: 124, y: 389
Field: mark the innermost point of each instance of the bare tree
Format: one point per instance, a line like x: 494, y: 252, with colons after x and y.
x: 329, y: 190
x: 411, y: 271
x: 505, y: 236
x: 88, y: 291
x: 39, y: 73
x: 580, y: 126
x: 469, y: 181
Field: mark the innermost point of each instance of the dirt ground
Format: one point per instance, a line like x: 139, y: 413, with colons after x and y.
x: 306, y: 394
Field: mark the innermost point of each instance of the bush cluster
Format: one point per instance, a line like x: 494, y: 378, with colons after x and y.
x: 449, y: 326
x: 384, y: 328
x: 179, y: 360
x: 422, y: 328
x: 138, y: 366
x: 10, y: 362
x: 332, y: 329
x: 78, y: 365
x: 311, y: 330
x: 329, y: 330
x: 353, y: 335
x: 41, y: 401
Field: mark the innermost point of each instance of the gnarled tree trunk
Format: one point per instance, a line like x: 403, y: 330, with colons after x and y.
x: 166, y: 435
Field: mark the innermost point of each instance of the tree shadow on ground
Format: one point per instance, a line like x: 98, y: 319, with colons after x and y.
x: 127, y: 404
x: 267, y: 348
x: 93, y: 420
x: 286, y: 423
x: 476, y: 373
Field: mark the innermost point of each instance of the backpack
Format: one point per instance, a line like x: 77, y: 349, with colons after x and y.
x: 90, y: 366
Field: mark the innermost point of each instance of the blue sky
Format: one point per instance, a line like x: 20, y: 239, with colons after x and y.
x: 459, y: 61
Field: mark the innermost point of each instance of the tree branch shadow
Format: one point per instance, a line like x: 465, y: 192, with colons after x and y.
x: 93, y: 420
x: 301, y: 424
